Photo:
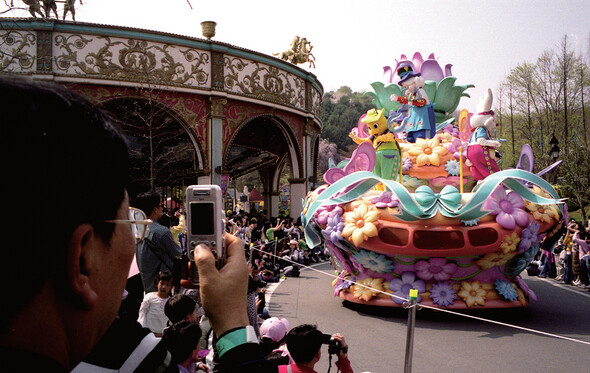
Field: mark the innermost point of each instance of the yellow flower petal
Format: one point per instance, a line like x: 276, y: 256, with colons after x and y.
x: 370, y: 230
x: 434, y: 159
x: 421, y: 142
x: 415, y: 151
x: 440, y: 150
x: 348, y: 230
x: 358, y: 237
x: 422, y: 160
x: 433, y: 142
x: 371, y: 216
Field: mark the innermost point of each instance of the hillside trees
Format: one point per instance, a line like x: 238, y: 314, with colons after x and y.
x: 547, y: 98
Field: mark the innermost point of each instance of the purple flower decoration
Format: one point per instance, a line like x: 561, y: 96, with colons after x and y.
x: 507, y: 208
x: 338, y: 257
x: 436, y: 268
x: 401, y: 287
x: 521, y: 284
x: 406, y: 164
x: 386, y: 199
x: 324, y: 212
x: 453, y: 148
x: 342, y: 284
x: 506, y: 290
x: 529, y: 236
x: 452, y: 130
x: 443, y: 294
x: 334, y: 227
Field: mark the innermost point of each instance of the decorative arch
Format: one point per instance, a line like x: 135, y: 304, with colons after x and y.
x: 178, y: 154
x: 260, y: 136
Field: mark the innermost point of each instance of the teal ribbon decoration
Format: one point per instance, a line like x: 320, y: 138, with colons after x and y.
x: 448, y: 201
x: 424, y: 204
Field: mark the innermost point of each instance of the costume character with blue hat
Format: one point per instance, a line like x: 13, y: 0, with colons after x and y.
x: 420, y: 122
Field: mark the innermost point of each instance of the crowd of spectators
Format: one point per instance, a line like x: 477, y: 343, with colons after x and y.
x: 568, y: 260
x: 273, y: 248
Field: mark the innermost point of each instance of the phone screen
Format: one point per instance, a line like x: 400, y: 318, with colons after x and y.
x: 202, y: 218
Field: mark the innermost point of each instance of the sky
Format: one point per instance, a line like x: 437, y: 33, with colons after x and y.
x: 353, y: 40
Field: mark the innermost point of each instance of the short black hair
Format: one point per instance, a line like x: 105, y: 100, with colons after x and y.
x: 181, y: 339
x: 147, y: 201
x: 72, y: 167
x: 164, y: 276
x: 303, y: 342
x: 179, y: 306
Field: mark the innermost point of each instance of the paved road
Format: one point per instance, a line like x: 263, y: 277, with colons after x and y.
x: 445, y: 342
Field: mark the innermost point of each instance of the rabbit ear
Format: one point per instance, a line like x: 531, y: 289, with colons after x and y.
x: 485, y: 103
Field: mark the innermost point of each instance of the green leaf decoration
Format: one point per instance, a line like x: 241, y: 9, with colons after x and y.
x: 382, y: 94
x: 447, y: 98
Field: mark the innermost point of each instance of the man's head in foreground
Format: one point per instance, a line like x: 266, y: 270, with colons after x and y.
x: 68, y: 166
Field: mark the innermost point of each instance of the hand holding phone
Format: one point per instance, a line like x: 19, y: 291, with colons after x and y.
x: 205, y: 223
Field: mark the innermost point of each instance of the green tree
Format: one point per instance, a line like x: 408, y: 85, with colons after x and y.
x: 545, y: 98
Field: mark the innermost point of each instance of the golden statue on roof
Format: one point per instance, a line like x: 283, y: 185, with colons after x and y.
x: 299, y: 52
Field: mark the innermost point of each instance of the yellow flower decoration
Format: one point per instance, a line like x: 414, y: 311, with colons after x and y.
x: 371, y: 287
x: 540, y: 192
x: 543, y: 213
x: 491, y: 260
x: 510, y: 243
x: 445, y: 137
x: 360, y: 224
x: 472, y: 293
x: 427, y: 152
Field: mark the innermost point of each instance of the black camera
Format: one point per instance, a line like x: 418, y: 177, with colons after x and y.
x: 334, y: 346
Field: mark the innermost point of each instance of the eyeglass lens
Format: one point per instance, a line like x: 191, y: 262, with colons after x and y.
x: 138, y: 229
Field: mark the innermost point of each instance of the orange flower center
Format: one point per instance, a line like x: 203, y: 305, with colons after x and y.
x: 427, y: 151
x: 360, y: 223
x: 473, y: 293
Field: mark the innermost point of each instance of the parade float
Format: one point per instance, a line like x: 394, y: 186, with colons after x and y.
x: 422, y: 204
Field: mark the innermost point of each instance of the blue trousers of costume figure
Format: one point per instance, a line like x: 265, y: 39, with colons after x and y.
x: 412, y: 136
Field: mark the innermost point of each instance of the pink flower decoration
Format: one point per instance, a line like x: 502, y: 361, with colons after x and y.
x: 436, y: 268
x: 507, y: 208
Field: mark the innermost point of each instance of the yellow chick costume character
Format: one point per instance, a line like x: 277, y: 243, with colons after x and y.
x: 384, y: 142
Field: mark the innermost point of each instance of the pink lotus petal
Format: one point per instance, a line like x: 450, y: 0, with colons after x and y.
x: 431, y: 71
x: 521, y: 217
x: 515, y: 199
x: 417, y: 60
x: 448, y: 70
x: 505, y: 220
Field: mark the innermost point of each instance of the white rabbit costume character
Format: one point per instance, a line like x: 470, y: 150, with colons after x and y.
x: 481, y: 149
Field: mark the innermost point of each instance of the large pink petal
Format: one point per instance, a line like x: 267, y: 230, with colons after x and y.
x: 515, y: 199
x: 506, y: 220
x: 521, y: 217
x: 431, y: 71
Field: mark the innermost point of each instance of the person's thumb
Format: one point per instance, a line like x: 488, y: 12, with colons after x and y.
x: 205, y: 261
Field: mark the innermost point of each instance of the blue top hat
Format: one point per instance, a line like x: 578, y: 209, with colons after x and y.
x: 405, y: 72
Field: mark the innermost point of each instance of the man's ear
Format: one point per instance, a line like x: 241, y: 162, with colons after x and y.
x: 80, y: 254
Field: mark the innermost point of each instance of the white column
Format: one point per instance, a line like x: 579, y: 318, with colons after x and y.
x: 216, y: 139
x: 298, y: 193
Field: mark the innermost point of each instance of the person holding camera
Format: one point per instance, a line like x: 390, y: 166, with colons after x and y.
x: 304, y: 343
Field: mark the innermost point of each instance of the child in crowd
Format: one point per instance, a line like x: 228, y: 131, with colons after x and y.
x: 182, y: 340
x: 272, y: 339
x: 181, y: 307
x: 151, y: 311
